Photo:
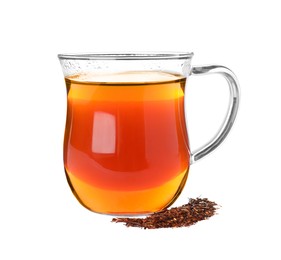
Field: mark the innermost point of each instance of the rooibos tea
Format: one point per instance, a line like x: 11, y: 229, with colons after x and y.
x: 126, y: 147
x: 184, y: 216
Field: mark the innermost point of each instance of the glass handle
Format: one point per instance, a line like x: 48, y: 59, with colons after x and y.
x: 231, y: 113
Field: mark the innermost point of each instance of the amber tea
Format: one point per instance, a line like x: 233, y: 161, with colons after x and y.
x: 126, y: 144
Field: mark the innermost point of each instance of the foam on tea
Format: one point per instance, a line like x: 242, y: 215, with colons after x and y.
x: 126, y: 144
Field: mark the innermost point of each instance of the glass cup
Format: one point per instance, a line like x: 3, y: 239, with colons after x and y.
x: 126, y: 146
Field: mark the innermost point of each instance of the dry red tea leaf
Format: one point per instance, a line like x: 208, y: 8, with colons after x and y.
x: 186, y: 215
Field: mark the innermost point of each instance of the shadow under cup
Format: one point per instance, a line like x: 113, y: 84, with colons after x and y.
x: 126, y: 148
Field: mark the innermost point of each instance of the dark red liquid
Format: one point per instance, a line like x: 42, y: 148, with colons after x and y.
x: 126, y: 147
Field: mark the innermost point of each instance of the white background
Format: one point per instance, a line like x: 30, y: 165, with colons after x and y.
x: 41, y: 219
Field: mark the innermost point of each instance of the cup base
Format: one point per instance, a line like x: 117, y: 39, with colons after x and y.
x: 127, y: 203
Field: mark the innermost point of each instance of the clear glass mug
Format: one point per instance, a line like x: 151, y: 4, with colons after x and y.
x: 126, y: 147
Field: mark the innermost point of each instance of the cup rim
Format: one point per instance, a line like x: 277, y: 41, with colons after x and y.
x: 126, y: 56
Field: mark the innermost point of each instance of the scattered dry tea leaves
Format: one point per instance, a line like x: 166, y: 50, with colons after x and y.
x: 186, y: 215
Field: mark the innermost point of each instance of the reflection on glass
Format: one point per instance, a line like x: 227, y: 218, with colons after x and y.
x: 104, y: 133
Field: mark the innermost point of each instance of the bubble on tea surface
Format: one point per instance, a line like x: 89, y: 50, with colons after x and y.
x: 137, y: 77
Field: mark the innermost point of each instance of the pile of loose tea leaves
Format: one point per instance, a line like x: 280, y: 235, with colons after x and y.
x: 186, y: 215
